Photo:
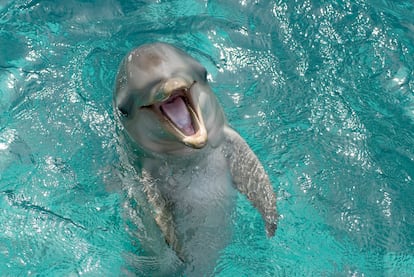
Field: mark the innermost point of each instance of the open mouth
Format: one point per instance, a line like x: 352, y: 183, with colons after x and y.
x: 181, y: 117
x: 179, y: 112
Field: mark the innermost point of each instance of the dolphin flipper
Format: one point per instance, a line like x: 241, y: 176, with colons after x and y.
x: 250, y: 178
x: 162, y: 214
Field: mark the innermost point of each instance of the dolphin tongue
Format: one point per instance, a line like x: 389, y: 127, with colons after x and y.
x: 177, y: 112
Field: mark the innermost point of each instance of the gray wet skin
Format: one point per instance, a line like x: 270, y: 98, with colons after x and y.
x: 191, y: 159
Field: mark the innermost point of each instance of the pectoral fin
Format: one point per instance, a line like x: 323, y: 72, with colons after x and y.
x: 250, y: 178
x: 162, y: 215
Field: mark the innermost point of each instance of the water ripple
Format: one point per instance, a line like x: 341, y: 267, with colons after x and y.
x: 322, y: 91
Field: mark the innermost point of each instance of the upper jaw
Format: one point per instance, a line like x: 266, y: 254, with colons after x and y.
x: 179, y: 113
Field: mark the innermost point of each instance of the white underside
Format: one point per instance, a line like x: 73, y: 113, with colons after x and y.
x: 203, y: 198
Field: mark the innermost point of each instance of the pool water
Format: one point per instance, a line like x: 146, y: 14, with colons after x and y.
x: 323, y: 91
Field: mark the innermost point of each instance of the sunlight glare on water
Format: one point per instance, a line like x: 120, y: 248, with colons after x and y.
x: 323, y: 92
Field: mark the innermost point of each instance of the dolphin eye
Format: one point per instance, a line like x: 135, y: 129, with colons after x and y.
x: 123, y: 112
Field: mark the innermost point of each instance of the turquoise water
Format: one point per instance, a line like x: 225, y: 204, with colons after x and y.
x: 323, y: 91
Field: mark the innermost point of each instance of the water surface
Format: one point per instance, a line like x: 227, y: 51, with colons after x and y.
x: 323, y: 91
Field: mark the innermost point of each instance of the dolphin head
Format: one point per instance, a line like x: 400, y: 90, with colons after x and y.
x: 164, y: 101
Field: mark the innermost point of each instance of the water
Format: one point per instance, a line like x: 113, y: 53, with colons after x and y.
x: 323, y: 91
